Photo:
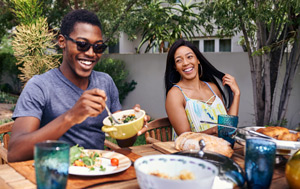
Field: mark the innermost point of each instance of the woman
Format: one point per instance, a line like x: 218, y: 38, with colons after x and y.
x: 193, y: 91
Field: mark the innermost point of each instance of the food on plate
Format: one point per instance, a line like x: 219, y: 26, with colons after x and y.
x: 279, y: 133
x: 184, y: 175
x: 89, y: 159
x: 114, y: 161
x: 190, y: 141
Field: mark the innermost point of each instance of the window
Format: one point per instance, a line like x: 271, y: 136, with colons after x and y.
x: 209, y: 45
x: 196, y: 43
x: 114, y: 48
x: 225, y: 45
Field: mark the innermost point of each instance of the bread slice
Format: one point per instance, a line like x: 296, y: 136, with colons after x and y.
x: 190, y: 141
x: 180, y: 140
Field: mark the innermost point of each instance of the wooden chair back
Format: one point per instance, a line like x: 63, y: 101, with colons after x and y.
x: 158, y: 130
x: 4, y: 129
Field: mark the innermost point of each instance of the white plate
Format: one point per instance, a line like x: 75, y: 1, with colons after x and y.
x: 124, y: 163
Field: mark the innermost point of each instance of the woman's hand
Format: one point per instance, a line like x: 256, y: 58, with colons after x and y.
x: 130, y: 141
x: 230, y: 81
x: 137, y: 108
x: 211, y: 131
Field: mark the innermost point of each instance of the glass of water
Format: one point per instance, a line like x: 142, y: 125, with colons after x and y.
x: 51, y: 161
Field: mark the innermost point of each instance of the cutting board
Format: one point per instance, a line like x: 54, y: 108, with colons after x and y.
x: 165, y: 147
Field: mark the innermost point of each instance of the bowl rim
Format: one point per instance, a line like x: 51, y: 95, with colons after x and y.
x: 176, y: 156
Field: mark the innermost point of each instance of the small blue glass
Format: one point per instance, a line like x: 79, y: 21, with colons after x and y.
x: 51, y: 161
x: 259, y: 162
x: 227, y: 133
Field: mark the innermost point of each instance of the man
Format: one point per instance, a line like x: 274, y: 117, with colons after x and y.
x: 66, y: 103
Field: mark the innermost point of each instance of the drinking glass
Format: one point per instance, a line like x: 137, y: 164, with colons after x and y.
x: 227, y: 133
x: 259, y: 162
x: 51, y: 161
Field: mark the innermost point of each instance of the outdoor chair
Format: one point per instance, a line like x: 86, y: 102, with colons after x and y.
x: 4, y: 129
x: 158, y: 130
x: 7, y: 127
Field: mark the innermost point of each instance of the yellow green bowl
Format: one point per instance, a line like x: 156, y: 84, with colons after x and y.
x: 125, y: 130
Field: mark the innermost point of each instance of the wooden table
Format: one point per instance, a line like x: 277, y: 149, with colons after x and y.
x: 10, y: 178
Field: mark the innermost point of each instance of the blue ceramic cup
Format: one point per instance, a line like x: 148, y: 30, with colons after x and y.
x: 259, y: 162
x: 51, y: 161
x: 227, y: 133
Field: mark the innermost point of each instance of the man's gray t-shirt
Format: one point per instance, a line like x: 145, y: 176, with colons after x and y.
x: 51, y: 94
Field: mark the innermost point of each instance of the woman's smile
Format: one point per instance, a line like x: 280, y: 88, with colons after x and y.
x: 188, y: 70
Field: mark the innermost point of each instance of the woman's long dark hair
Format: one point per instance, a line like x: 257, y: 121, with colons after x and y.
x: 209, y: 72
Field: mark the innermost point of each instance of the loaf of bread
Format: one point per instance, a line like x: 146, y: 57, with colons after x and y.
x: 279, y: 133
x: 190, y: 141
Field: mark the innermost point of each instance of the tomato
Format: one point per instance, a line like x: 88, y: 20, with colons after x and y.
x: 79, y: 163
x: 114, y: 161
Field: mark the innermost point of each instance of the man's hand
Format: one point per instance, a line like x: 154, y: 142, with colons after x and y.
x: 90, y: 104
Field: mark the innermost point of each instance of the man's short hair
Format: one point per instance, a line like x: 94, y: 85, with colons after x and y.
x: 78, y: 16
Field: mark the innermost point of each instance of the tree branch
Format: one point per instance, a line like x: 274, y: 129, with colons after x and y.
x: 121, y: 18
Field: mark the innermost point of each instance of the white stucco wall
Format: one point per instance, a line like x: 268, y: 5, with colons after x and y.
x: 148, y: 71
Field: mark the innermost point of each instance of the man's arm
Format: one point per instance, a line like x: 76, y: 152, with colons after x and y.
x: 26, y: 131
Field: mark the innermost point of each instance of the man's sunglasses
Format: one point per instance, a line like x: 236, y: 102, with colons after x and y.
x: 85, y: 46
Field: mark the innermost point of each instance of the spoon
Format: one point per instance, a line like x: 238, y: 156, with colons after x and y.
x: 110, y: 115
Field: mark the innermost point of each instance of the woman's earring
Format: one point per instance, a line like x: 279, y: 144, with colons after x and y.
x: 201, y: 72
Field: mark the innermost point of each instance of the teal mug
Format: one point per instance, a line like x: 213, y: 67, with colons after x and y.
x: 260, y: 157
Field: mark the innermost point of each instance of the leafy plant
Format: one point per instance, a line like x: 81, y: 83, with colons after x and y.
x: 8, y: 66
x: 160, y: 21
x: 116, y: 69
x: 282, y: 123
x: 7, y: 20
x: 34, y: 49
x: 7, y: 120
x: 163, y: 21
x: 271, y: 33
x: 27, y: 11
x: 2, y: 121
x: 33, y: 42
x: 7, y: 98
x: 140, y: 140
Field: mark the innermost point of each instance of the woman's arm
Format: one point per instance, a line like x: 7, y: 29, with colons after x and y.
x: 175, y: 108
